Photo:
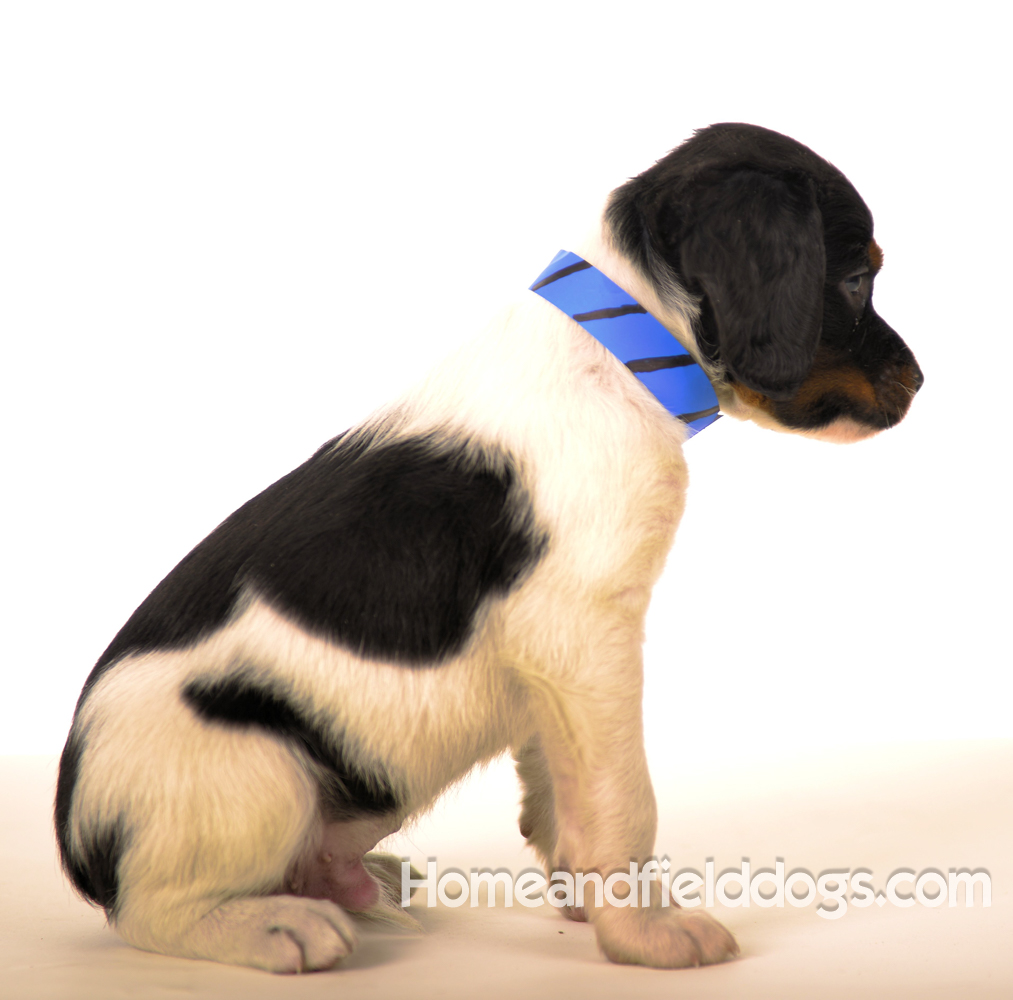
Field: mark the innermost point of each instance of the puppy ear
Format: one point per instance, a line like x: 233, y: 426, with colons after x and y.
x: 754, y: 244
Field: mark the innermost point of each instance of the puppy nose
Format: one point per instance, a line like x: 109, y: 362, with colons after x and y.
x: 917, y: 378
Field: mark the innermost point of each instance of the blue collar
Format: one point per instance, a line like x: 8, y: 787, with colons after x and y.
x: 633, y: 335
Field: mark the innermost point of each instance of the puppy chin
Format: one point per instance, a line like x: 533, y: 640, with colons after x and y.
x: 742, y: 404
x: 843, y: 430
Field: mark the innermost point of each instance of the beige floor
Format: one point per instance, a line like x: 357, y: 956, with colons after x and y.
x: 944, y: 805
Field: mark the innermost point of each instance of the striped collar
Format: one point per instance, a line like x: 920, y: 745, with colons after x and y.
x: 633, y: 335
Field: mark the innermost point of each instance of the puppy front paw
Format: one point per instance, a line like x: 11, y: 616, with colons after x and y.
x: 663, y: 939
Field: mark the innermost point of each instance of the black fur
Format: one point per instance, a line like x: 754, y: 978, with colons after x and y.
x: 761, y: 228
x: 240, y: 700
x: 755, y: 248
x: 387, y: 549
x: 855, y: 335
x: 94, y: 868
x: 390, y: 547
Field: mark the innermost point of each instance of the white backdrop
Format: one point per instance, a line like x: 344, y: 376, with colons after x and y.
x: 227, y: 232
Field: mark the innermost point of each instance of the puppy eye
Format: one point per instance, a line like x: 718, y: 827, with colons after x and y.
x: 854, y: 283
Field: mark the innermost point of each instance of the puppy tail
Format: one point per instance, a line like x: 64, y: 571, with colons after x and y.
x: 388, y: 911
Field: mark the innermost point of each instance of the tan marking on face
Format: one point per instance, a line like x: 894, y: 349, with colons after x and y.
x: 828, y: 376
x: 844, y: 379
x: 875, y: 256
x: 752, y: 398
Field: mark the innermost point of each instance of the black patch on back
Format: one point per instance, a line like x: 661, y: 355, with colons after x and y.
x: 387, y: 549
x: 240, y: 700
x: 94, y: 869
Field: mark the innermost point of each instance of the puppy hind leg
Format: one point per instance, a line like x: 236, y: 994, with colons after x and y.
x: 284, y: 934
x: 211, y: 852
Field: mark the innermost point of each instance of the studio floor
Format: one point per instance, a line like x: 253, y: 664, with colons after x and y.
x: 912, y: 806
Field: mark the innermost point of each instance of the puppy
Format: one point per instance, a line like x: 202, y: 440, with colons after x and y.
x: 467, y: 572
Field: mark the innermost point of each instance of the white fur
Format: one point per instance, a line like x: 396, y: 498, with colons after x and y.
x: 225, y: 822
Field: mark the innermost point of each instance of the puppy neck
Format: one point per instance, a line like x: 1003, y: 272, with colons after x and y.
x: 676, y: 310
x: 626, y: 328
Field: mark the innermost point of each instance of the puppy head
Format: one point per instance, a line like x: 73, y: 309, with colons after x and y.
x: 777, y: 246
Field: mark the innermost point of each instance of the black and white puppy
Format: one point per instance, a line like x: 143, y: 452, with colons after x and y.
x: 467, y: 572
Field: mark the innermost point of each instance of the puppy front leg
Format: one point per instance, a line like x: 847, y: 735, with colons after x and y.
x: 605, y: 816
x: 538, y: 808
